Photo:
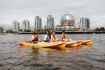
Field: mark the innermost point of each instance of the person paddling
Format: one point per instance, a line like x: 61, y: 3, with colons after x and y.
x: 35, y: 37
x: 53, y: 37
x: 64, y: 37
x: 47, y: 37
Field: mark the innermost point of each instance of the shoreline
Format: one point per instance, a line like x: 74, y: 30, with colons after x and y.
x: 94, y: 32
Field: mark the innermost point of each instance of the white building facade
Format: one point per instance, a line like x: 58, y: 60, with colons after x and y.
x: 16, y: 26
x: 25, y: 25
x: 84, y: 24
x: 38, y: 23
x: 50, y: 22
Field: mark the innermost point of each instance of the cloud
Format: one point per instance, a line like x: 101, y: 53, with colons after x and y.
x: 11, y: 10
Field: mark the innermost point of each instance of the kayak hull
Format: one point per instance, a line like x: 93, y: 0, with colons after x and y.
x: 86, y: 42
x: 71, y: 44
x: 57, y: 45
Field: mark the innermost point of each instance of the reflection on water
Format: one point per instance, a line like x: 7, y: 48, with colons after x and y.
x: 48, y: 56
x: 83, y: 57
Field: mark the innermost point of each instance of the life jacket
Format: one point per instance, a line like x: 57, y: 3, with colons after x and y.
x: 63, y: 37
x: 47, y: 37
x: 34, y: 38
x: 53, y: 38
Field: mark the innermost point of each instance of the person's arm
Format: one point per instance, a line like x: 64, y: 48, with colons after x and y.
x: 61, y: 37
x: 33, y: 37
x: 39, y: 39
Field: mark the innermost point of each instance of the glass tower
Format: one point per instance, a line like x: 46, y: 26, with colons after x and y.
x: 50, y: 22
x: 26, y: 25
x: 16, y: 26
x: 38, y: 23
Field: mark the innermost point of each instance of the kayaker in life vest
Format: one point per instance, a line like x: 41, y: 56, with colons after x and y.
x: 35, y: 37
x: 53, y: 37
x: 64, y: 37
x: 47, y: 37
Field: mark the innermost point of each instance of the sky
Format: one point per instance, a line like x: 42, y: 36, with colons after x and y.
x: 19, y: 10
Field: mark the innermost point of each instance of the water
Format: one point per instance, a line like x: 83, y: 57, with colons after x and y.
x: 14, y: 57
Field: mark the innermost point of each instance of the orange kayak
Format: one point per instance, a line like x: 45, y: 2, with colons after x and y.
x: 59, y: 45
x: 86, y: 42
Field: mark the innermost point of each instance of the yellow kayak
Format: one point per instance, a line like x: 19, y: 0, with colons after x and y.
x: 72, y: 43
x: 78, y: 43
x: 86, y: 42
x: 59, y: 44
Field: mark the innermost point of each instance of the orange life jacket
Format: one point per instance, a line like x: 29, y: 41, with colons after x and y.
x: 63, y: 36
x: 53, y: 38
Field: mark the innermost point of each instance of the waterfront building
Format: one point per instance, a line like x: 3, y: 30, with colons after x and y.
x: 38, y: 23
x: 50, y: 22
x: 25, y: 25
x: 45, y: 27
x: 84, y: 24
x: 16, y: 26
x: 1, y: 29
x: 67, y: 23
x: 67, y: 20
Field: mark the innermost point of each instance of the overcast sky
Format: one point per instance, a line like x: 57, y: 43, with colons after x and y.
x: 11, y: 10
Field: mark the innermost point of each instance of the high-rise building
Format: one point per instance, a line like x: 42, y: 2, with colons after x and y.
x: 38, y: 23
x: 50, y: 22
x: 26, y: 25
x: 84, y: 24
x: 45, y: 27
x: 88, y: 23
x: 16, y: 26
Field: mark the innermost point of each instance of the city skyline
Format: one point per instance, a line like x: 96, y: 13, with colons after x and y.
x: 27, y: 9
x: 67, y: 23
x: 50, y: 22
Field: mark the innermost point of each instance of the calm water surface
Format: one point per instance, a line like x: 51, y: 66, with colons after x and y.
x: 14, y: 57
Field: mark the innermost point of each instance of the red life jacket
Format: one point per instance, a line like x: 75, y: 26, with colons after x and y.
x: 35, y: 38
